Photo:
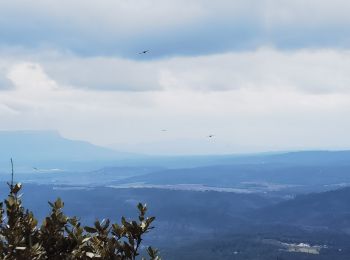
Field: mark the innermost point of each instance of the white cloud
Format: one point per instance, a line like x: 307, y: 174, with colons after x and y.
x: 272, y: 100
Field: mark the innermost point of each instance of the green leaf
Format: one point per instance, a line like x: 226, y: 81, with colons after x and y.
x: 90, y: 229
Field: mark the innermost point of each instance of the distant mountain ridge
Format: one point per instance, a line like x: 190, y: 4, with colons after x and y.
x: 311, y: 157
x: 50, y: 146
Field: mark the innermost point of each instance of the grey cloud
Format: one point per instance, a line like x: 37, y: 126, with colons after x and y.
x: 172, y: 28
x: 317, y: 71
x: 103, y: 74
x: 5, y: 82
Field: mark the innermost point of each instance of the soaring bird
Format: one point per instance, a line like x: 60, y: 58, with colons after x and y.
x: 210, y: 136
x: 144, y: 52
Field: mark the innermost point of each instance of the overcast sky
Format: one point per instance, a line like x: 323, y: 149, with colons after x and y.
x: 261, y: 75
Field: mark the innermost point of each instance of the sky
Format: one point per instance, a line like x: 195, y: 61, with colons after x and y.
x: 259, y: 75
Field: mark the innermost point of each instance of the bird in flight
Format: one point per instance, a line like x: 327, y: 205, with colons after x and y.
x: 144, y: 52
x: 210, y: 136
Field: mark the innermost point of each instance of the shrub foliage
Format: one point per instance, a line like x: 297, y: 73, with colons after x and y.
x: 63, y: 237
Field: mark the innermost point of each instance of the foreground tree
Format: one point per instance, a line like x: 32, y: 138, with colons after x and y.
x: 63, y: 237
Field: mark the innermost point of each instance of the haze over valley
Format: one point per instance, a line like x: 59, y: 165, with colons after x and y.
x: 255, y: 202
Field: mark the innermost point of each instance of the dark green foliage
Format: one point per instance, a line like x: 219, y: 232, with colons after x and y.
x: 63, y: 237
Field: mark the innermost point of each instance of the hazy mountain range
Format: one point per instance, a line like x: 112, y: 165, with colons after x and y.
x: 255, y: 206
x: 50, y: 149
x: 50, y: 146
